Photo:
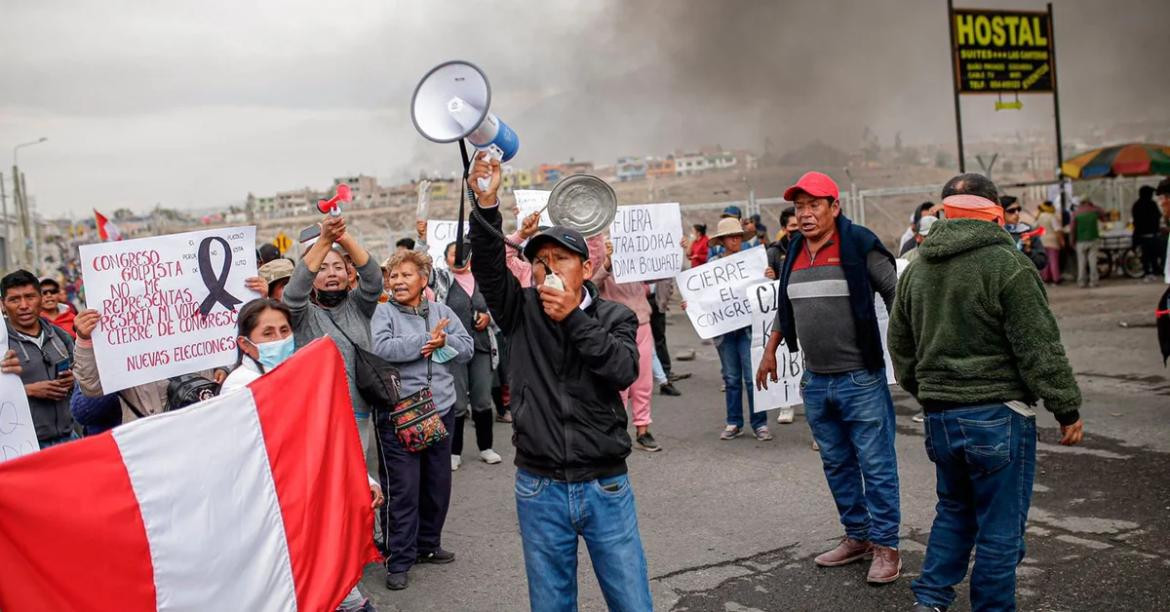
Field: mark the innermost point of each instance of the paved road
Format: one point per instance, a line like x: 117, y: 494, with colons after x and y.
x: 734, y: 525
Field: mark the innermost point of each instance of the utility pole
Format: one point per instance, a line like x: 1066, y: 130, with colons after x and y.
x: 955, y: 86
x: 16, y: 204
x: 25, y: 218
x: 4, y: 216
x: 20, y: 201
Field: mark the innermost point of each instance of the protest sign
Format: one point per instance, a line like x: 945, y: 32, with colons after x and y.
x: 883, y: 320
x: 765, y: 299
x: 530, y: 201
x: 18, y: 435
x: 439, y: 235
x: 168, y: 303
x: 646, y: 242
x: 716, y: 292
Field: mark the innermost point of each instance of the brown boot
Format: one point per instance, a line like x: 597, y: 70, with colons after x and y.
x: 848, y: 551
x: 886, y: 566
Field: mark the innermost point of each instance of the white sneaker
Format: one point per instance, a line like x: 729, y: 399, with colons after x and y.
x: 456, y: 461
x: 786, y: 416
x: 490, y: 456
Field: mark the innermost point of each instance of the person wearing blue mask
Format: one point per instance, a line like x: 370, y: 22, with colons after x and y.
x: 265, y: 340
x: 425, y: 340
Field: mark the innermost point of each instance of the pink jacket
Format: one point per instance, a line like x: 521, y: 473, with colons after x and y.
x: 521, y: 269
x: 630, y: 295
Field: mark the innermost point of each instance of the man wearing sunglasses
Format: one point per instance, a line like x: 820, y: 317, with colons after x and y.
x: 55, y: 308
x: 1027, y: 240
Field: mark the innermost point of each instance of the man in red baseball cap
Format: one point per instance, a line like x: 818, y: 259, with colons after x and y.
x: 826, y: 302
x: 816, y: 184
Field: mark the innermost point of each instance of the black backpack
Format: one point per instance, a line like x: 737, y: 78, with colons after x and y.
x: 182, y: 391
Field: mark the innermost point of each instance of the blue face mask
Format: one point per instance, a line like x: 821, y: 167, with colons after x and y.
x: 443, y: 354
x: 275, y: 353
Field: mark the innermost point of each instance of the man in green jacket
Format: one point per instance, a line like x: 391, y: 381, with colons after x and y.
x: 1086, y: 235
x: 973, y: 340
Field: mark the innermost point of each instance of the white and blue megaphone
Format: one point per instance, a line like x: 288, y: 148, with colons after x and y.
x: 451, y: 103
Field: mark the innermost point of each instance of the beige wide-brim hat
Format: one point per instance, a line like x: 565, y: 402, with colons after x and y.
x: 727, y: 227
x: 275, y: 270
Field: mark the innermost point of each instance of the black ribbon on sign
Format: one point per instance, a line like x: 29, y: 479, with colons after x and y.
x: 215, y: 286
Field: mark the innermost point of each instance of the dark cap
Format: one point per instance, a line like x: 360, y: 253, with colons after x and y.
x: 732, y: 211
x: 569, y: 238
x: 267, y: 252
x: 1163, y: 188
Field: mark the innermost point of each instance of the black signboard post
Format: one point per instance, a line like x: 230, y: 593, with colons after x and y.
x: 998, y: 52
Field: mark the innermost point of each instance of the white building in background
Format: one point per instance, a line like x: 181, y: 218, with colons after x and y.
x: 722, y: 160
x: 686, y: 164
x: 296, y: 202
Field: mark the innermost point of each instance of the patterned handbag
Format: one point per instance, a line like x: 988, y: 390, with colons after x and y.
x: 416, y: 420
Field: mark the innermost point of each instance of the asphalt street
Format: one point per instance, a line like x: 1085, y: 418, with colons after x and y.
x: 734, y: 525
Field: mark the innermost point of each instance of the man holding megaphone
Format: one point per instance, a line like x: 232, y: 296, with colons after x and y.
x: 572, y: 352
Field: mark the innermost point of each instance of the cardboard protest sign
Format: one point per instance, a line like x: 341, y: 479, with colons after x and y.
x: 646, y: 242
x: 168, y: 303
x: 765, y: 299
x: 716, y: 292
x: 439, y: 235
x: 530, y: 201
x: 18, y: 435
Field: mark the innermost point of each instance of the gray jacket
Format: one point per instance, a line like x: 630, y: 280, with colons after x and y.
x: 310, y: 321
x: 399, y: 337
x: 51, y: 418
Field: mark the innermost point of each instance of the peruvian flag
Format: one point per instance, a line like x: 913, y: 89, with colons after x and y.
x: 107, y: 230
x: 254, y: 500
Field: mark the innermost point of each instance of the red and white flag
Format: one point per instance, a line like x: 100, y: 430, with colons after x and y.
x: 254, y: 500
x: 107, y: 230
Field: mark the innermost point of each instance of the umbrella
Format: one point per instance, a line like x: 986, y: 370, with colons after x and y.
x: 1133, y: 159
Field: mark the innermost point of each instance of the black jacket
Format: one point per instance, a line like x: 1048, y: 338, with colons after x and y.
x: 568, y: 419
x: 777, y: 252
x: 1146, y: 218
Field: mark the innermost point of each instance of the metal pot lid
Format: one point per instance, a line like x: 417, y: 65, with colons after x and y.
x: 584, y: 203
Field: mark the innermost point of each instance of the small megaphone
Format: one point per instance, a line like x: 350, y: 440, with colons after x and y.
x: 333, y: 205
x: 451, y: 103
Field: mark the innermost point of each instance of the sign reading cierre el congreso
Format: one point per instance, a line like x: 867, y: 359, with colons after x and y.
x: 1003, y: 51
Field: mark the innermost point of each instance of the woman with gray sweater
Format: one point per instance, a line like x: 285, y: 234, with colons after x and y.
x: 423, y: 339
x: 323, y: 303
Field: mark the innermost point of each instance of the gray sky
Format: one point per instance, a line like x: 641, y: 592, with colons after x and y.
x: 194, y: 104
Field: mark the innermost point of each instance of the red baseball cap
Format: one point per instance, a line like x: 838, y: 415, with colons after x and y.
x: 815, y: 184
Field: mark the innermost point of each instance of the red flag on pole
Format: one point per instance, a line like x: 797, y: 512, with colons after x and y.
x: 107, y: 230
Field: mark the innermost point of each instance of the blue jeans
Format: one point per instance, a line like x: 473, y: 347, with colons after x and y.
x: 852, y: 419
x: 735, y: 362
x: 984, y: 461
x: 553, y: 514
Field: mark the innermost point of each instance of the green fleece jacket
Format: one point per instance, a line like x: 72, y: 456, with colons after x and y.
x: 971, y: 325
